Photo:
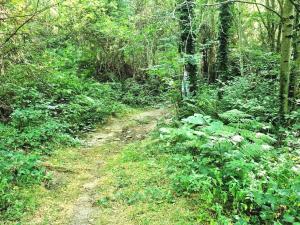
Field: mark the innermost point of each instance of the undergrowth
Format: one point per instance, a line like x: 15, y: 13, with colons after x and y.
x: 47, y: 105
x: 42, y: 110
x: 234, y: 169
x: 231, y: 154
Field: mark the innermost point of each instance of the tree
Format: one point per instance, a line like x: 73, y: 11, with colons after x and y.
x: 207, y: 32
x: 187, y: 47
x: 270, y: 23
x: 224, y: 33
x: 295, y: 75
x: 285, y: 64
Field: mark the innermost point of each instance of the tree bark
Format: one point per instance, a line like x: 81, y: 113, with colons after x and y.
x: 212, y: 53
x: 187, y: 48
x: 295, y: 75
x: 223, y: 51
x: 285, y: 65
x: 279, y: 34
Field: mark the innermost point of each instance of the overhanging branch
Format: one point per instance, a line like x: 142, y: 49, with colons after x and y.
x: 37, y: 12
x: 297, y: 5
x: 246, y: 2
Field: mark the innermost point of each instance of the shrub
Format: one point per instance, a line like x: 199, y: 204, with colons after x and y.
x: 252, y: 94
x: 137, y: 94
x: 17, y: 170
x: 46, y: 112
x: 237, y: 172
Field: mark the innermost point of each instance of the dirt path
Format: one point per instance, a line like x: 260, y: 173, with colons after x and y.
x: 71, y: 196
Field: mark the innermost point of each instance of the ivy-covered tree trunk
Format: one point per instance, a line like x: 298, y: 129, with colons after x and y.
x: 285, y: 64
x: 212, y: 64
x: 205, y: 40
x: 212, y: 52
x: 187, y: 47
x: 224, y: 33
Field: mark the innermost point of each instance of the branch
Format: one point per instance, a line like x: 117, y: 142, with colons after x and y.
x: 261, y: 17
x: 246, y: 2
x: 16, y: 31
x: 27, y: 15
x: 297, y: 5
x: 14, y: 17
x: 37, y: 12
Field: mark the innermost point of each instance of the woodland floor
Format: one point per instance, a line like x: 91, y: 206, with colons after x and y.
x: 95, y: 184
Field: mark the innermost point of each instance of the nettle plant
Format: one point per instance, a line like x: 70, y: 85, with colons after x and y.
x: 235, y: 171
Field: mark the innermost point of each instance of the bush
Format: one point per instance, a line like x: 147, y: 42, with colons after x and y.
x: 46, y: 111
x: 252, y: 94
x: 137, y: 94
x: 238, y: 173
x: 17, y: 170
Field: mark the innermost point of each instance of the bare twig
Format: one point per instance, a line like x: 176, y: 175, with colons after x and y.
x: 37, y: 12
x: 16, y: 31
x: 297, y: 5
x: 245, y: 2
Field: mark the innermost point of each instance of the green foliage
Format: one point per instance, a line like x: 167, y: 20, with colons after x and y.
x: 234, y: 116
x: 255, y: 61
x: 17, y: 170
x: 51, y: 67
x: 206, y: 100
x: 252, y: 94
x: 47, y: 105
x: 50, y: 91
x: 237, y: 172
x: 138, y: 94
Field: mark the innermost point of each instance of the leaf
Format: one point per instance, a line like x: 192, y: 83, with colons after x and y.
x: 234, y: 116
x: 197, y: 119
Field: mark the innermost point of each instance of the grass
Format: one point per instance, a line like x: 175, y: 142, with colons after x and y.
x: 132, y: 185
x: 55, y: 200
x: 135, y: 190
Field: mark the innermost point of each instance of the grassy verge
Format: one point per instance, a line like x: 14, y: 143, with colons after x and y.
x: 135, y: 189
x: 73, y: 170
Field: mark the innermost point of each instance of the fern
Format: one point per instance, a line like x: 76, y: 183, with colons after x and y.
x: 234, y: 116
x: 233, y: 169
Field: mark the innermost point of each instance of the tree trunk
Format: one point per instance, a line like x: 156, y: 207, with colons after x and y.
x: 225, y: 25
x: 212, y: 53
x: 285, y: 65
x: 187, y: 48
x: 212, y: 63
x: 279, y: 34
x: 272, y: 26
x: 240, y: 41
x: 295, y: 75
x: 205, y: 66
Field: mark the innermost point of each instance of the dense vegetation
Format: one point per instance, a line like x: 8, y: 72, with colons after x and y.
x: 231, y: 69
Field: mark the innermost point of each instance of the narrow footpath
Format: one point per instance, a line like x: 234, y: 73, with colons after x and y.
x: 71, y: 195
